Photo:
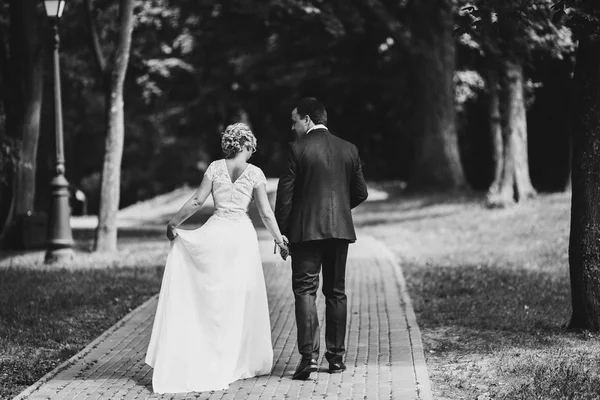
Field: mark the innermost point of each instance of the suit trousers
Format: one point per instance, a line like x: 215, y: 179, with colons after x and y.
x: 307, y: 259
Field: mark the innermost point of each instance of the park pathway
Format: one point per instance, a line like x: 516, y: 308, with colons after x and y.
x: 385, y: 355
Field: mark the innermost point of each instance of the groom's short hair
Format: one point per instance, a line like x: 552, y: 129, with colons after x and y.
x: 314, y: 109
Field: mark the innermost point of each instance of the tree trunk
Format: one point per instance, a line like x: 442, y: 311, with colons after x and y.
x: 517, y: 118
x: 26, y: 78
x: 584, y: 243
x: 7, y: 201
x: 495, y: 131
x: 505, y: 194
x: 436, y: 164
x: 7, y: 182
x: 568, y: 182
x: 106, y: 233
x: 21, y: 66
x: 94, y: 38
x: 515, y: 183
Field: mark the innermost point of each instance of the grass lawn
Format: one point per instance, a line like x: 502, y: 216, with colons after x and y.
x: 48, y: 314
x: 491, y: 292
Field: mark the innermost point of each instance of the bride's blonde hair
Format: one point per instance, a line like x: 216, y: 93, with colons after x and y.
x: 235, y: 138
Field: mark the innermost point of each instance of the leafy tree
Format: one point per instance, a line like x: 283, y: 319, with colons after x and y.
x: 426, y: 28
x: 508, y: 33
x: 113, y: 71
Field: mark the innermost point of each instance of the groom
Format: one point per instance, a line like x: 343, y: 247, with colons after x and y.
x: 320, y: 184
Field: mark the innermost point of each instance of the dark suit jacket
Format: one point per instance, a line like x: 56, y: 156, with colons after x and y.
x: 320, y: 184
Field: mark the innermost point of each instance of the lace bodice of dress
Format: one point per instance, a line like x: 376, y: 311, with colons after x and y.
x: 232, y: 200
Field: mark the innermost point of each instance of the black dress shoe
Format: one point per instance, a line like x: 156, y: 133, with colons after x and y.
x: 336, y: 367
x: 304, y: 369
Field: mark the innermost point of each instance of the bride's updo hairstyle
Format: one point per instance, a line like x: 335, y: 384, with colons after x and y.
x: 235, y: 138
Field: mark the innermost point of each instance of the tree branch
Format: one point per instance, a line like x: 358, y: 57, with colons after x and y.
x: 123, y: 47
x: 95, y: 38
x: 398, y: 31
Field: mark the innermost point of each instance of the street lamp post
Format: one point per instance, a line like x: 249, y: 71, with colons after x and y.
x: 60, y: 239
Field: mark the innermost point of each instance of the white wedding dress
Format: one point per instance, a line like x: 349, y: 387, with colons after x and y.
x: 212, y: 321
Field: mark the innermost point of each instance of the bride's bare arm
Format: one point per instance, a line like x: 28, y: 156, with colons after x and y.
x: 266, y: 213
x: 192, y: 205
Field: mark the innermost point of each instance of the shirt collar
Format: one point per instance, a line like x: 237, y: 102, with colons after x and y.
x: 318, y: 126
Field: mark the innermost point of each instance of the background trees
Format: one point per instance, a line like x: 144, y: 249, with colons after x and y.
x: 437, y: 160
x: 509, y: 36
x: 21, y: 85
x: 425, y: 30
x: 422, y: 105
x: 487, y: 107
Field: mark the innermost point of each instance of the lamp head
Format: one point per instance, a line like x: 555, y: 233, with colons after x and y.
x: 54, y: 8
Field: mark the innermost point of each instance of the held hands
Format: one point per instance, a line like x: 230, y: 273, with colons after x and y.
x: 171, y: 234
x: 284, y: 248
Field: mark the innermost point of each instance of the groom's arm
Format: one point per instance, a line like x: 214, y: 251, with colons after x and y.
x: 285, y: 192
x: 358, y: 186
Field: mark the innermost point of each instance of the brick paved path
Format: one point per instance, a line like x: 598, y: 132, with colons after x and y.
x: 385, y: 356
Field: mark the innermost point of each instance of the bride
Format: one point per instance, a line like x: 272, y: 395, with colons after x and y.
x: 212, y: 325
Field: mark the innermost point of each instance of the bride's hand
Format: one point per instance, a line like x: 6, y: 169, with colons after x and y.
x: 171, y: 234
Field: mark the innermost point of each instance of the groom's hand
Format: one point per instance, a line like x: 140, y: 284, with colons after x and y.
x: 286, y: 241
x: 284, y: 251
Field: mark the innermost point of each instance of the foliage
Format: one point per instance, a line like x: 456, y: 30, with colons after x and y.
x: 509, y: 29
x: 467, y: 85
x: 580, y: 14
x: 197, y: 66
x: 492, y: 33
x: 501, y: 30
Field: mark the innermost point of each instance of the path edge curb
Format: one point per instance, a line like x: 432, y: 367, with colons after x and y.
x: 85, y: 351
x: 421, y: 374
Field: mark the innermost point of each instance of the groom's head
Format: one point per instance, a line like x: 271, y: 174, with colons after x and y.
x: 308, y: 113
